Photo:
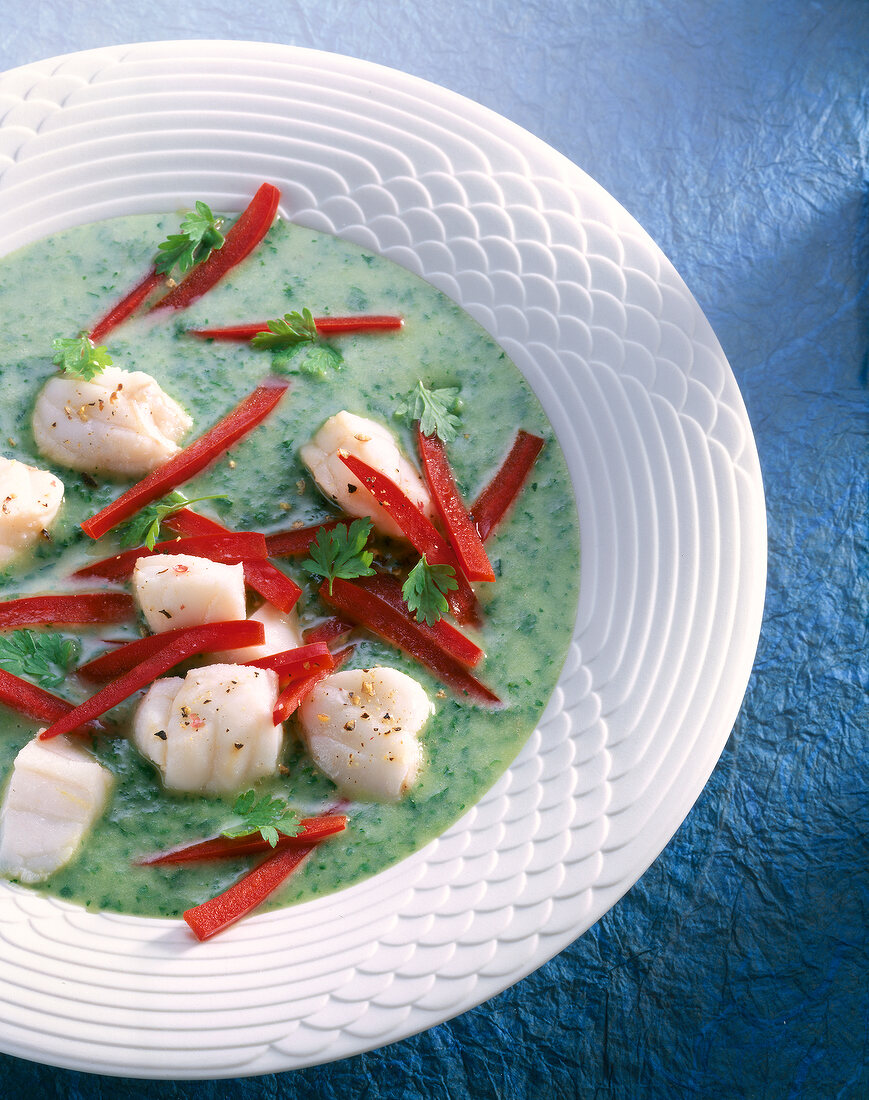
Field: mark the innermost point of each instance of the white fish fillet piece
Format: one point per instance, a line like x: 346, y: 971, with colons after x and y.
x: 29, y: 503
x: 55, y: 793
x: 120, y: 424
x: 211, y: 731
x: 175, y: 590
x: 361, y: 730
x: 374, y: 444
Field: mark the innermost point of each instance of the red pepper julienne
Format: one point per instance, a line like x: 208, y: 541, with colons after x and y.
x: 326, y: 326
x: 178, y: 647
x: 224, y: 847
x: 230, y: 549
x: 192, y: 460
x: 78, y: 608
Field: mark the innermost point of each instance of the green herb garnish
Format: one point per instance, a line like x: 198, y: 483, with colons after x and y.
x: 434, y: 409
x: 200, y: 235
x: 426, y: 588
x: 268, y: 817
x: 296, y: 332
x: 144, y: 528
x: 79, y: 356
x: 46, y: 658
x: 340, y: 553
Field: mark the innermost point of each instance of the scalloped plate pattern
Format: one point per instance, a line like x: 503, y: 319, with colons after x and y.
x: 672, y: 521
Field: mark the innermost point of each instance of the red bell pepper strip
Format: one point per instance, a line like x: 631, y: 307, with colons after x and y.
x: 370, y: 610
x: 297, y: 689
x: 458, y: 524
x: 273, y: 585
x: 327, y: 631
x: 30, y: 700
x: 192, y: 460
x: 241, y: 239
x: 224, y: 847
x: 294, y: 663
x: 247, y: 894
x: 295, y: 543
x: 443, y: 633
x: 127, y: 305
x: 229, y: 549
x: 179, y: 647
x: 494, y: 501
x: 419, y: 531
x: 84, y: 607
x: 326, y: 326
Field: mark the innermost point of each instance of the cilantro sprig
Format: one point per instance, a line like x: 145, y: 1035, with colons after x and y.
x: 436, y: 410
x: 267, y: 816
x: 80, y: 357
x: 426, y: 588
x: 200, y: 235
x: 45, y: 658
x: 297, y: 332
x: 340, y: 553
x: 144, y: 528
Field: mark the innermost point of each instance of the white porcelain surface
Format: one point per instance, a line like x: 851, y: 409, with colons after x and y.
x: 671, y: 514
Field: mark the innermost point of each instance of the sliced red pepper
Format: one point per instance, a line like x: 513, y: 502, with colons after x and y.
x: 372, y: 611
x: 327, y: 631
x: 443, y: 633
x: 229, y: 549
x: 178, y: 647
x: 326, y: 326
x: 30, y: 700
x: 295, y: 543
x: 84, y: 607
x: 127, y: 305
x: 458, y: 524
x: 241, y: 239
x: 296, y: 690
x: 192, y: 460
x: 495, y: 500
x: 419, y: 531
x: 293, y: 663
x: 224, y: 847
x: 247, y: 894
x: 273, y: 585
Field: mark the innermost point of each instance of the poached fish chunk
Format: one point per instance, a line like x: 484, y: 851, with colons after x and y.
x: 374, y: 444
x: 29, y: 502
x: 211, y: 731
x: 56, y: 791
x: 361, y: 730
x: 119, y: 424
x: 175, y: 590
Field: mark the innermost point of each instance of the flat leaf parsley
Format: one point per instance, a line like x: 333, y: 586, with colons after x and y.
x: 340, y: 553
x: 425, y: 590
x: 144, y: 528
x: 434, y: 409
x: 45, y: 658
x: 268, y: 817
x: 296, y: 332
x: 79, y: 356
x: 200, y: 235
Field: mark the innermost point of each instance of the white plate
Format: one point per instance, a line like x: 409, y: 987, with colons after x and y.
x: 671, y: 514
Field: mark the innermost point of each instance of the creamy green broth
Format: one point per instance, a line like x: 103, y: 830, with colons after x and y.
x: 61, y: 285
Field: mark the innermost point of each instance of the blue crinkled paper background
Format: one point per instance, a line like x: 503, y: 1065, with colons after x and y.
x: 737, y: 133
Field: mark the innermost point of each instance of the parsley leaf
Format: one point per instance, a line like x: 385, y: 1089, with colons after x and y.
x: 293, y: 328
x: 80, y: 357
x: 144, y: 528
x: 200, y: 235
x: 425, y: 590
x: 268, y: 817
x: 297, y: 332
x: 434, y: 409
x: 341, y: 553
x: 45, y: 658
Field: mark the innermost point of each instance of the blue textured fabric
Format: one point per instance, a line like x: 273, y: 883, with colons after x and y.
x: 737, y: 133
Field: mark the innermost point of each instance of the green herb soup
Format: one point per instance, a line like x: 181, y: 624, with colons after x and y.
x: 59, y: 287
